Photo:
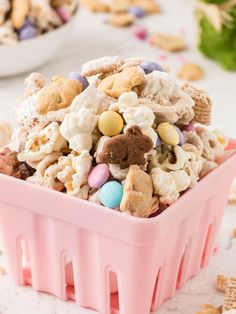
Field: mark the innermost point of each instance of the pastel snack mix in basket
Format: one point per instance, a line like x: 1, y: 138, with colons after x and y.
x: 105, y: 157
x: 217, y: 30
x: 25, y: 19
x: 119, y: 133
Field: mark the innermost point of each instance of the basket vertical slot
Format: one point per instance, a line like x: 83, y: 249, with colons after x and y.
x: 113, y: 288
x: 182, y: 273
x: 157, y: 295
x: 69, y: 277
x: 25, y: 262
x: 208, y: 244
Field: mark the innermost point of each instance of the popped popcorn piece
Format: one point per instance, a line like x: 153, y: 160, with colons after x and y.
x: 40, y: 144
x: 18, y: 140
x: 141, y: 116
x: 34, y: 82
x: 182, y: 180
x: 27, y: 115
x: 164, y: 186
x: 117, y: 172
x: 207, y: 167
x: 193, y: 139
x: 101, y: 65
x: 77, y: 129
x: 180, y: 157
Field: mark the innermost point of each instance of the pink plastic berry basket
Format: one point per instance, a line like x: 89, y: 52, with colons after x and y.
x: 148, y: 259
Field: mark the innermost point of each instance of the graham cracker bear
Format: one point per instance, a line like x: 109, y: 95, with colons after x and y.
x: 57, y: 95
x: 119, y: 83
x: 137, y: 198
x: 126, y: 149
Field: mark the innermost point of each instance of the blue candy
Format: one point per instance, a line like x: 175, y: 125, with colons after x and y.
x: 27, y: 32
x: 78, y: 77
x: 149, y: 67
x: 111, y: 194
x: 137, y: 11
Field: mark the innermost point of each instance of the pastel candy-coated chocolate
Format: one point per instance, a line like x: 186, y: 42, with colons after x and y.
x: 140, y: 32
x: 181, y: 136
x: 158, y: 142
x: 137, y: 11
x: 168, y: 133
x: 110, y: 123
x: 98, y: 176
x: 149, y: 67
x: 190, y: 127
x: 63, y: 13
x: 27, y: 32
x: 111, y: 194
x: 78, y: 77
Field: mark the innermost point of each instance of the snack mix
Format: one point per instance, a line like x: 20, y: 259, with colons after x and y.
x: 25, y: 19
x: 121, y: 133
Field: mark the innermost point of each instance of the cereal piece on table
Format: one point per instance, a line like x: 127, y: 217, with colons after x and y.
x: 137, y: 199
x: 95, y: 5
x: 11, y: 166
x: 210, y: 309
x: 190, y: 72
x: 121, y: 19
x: 150, y: 7
x: 5, y: 133
x: 221, y: 282
x: 234, y: 233
x: 168, y: 42
x: 58, y: 95
x: 2, y: 271
x: 126, y: 149
x: 117, y: 84
x: 20, y: 10
x: 203, y: 104
x: 230, y: 296
x: 101, y: 65
x: 119, y: 6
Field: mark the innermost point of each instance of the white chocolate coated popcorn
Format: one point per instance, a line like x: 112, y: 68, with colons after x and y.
x: 141, y: 116
x: 101, y: 65
x: 77, y: 129
x: 40, y: 144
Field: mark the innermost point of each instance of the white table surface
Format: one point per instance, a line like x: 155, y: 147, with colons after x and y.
x: 91, y: 39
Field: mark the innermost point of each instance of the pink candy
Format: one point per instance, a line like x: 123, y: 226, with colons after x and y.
x: 140, y: 32
x: 65, y: 16
x: 190, y: 128
x: 98, y: 176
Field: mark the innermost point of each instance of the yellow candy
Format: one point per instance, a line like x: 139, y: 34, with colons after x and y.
x: 110, y: 123
x: 168, y: 133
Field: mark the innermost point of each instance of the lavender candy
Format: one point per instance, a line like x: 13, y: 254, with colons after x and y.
x: 181, y: 136
x: 137, y: 11
x: 27, y: 32
x: 78, y: 77
x: 149, y: 67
